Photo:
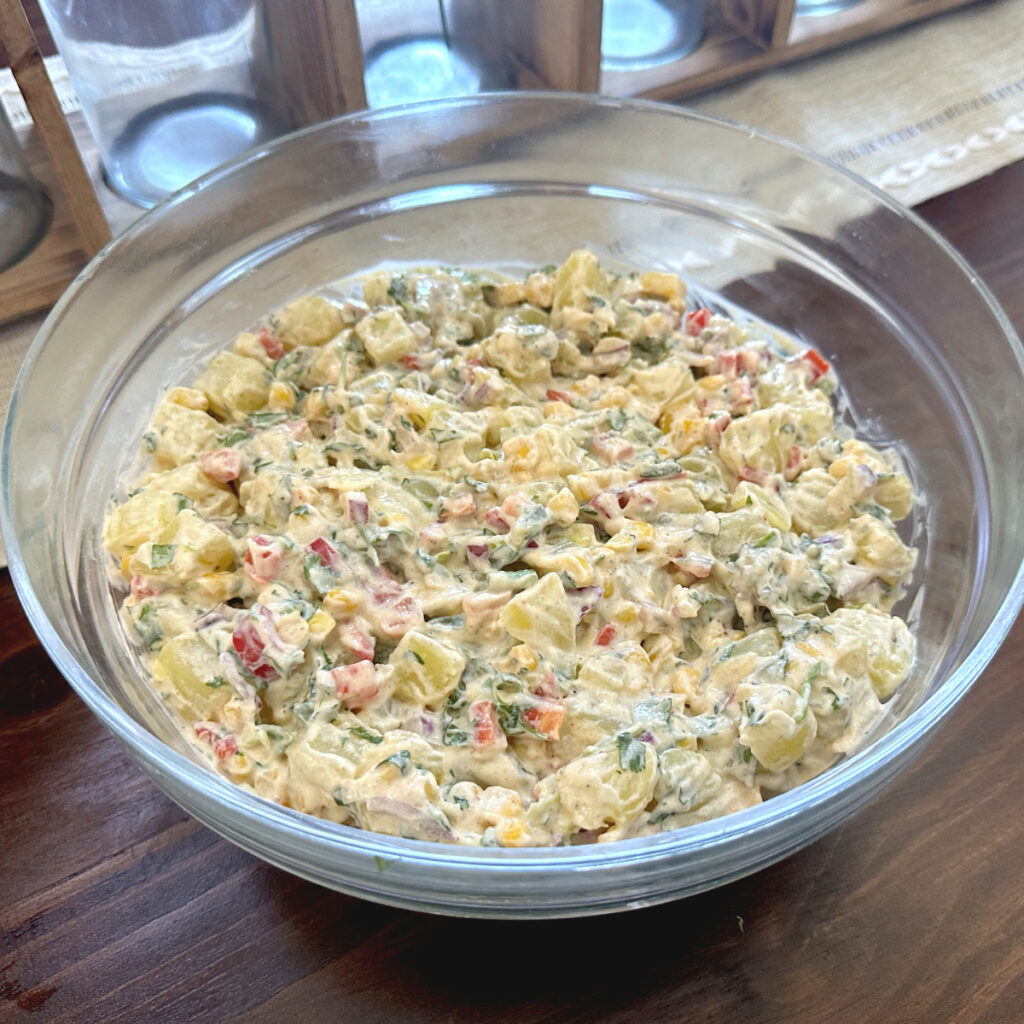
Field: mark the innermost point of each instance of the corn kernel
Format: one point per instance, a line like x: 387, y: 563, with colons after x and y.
x: 190, y: 398
x: 424, y: 461
x: 663, y: 285
x: 626, y: 615
x: 712, y: 382
x: 644, y: 534
x: 126, y: 571
x: 564, y: 507
x: 512, y: 832
x: 217, y: 586
x: 578, y: 568
x: 685, y: 680
x: 609, y: 588
x: 341, y: 601
x: 516, y: 447
x: 558, y: 411
x: 281, y: 397
x: 689, y: 435
x: 524, y: 657
x: 320, y: 624
x: 839, y: 468
x: 315, y: 407
x: 808, y: 649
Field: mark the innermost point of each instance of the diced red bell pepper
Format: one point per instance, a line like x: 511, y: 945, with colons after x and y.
x: 606, y: 636
x: 558, y: 396
x: 753, y: 475
x: 793, y: 461
x: 396, y: 617
x: 486, y: 730
x: 271, y: 343
x: 457, y: 506
x: 356, y: 639
x: 817, y: 367
x: 262, y: 559
x: 545, y: 718
x: 730, y: 362
x: 140, y: 588
x: 222, y: 465
x: 327, y: 553
x: 358, y: 507
x: 249, y: 645
x: 356, y: 685
x: 696, y: 321
x: 225, y: 747
x: 496, y: 521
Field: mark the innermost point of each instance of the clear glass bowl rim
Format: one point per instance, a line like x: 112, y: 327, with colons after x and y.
x: 855, y: 772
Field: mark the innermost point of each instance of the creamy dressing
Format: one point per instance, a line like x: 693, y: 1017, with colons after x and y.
x: 513, y: 563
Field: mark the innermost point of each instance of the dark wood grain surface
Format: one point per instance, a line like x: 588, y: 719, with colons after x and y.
x: 117, y: 907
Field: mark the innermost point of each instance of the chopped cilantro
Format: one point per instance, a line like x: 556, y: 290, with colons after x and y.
x: 632, y: 753
x: 365, y: 734
x: 161, y: 555
x: 400, y: 759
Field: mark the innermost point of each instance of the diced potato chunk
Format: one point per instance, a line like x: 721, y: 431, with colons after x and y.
x: 146, y: 516
x: 764, y: 439
x: 195, y: 548
x: 608, y: 786
x: 577, y: 279
x: 309, y: 321
x: 194, y: 672
x: 542, y: 617
x: 209, y: 497
x: 211, y: 548
x: 665, y: 286
x: 780, y: 728
x: 667, y: 383
x: 425, y: 670
x: 178, y: 433
x: 235, y: 384
x: 386, y: 336
x: 886, y: 642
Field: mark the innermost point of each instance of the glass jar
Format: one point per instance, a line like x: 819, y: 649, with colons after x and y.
x: 639, y: 34
x: 25, y: 209
x: 168, y: 87
x: 431, y: 49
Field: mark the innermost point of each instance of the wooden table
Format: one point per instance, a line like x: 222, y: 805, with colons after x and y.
x: 117, y: 907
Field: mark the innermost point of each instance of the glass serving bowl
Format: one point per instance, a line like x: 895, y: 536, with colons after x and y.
x: 752, y: 223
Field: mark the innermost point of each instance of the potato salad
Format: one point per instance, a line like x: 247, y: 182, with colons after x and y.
x: 514, y: 562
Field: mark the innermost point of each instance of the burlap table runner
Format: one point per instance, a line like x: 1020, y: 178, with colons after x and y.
x: 918, y: 112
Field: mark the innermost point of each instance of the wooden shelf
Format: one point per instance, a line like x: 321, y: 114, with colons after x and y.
x: 747, y: 36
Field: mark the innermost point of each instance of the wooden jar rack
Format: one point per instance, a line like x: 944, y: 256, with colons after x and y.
x: 315, y: 47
